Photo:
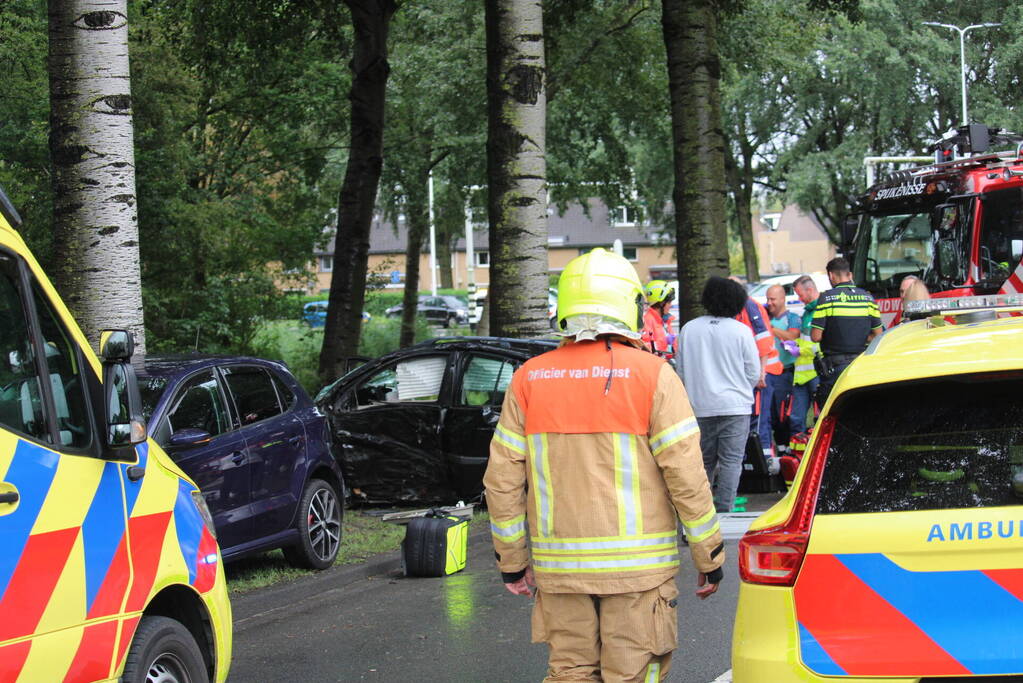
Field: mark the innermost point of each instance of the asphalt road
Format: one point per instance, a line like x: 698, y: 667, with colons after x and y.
x: 344, y: 626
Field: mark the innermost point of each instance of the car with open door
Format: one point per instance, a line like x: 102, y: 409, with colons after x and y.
x: 415, y: 425
x: 897, y: 554
x: 248, y: 434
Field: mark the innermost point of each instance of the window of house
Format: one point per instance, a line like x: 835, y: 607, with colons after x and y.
x: 630, y: 253
x: 771, y: 221
x: 625, y: 216
x: 326, y: 264
x: 482, y: 259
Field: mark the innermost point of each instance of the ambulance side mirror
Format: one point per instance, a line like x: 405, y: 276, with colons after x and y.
x: 122, y: 405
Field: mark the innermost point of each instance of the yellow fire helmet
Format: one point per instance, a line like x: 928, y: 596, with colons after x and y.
x: 601, y: 283
x: 657, y: 291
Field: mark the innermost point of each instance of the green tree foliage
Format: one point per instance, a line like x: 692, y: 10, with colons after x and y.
x: 237, y: 121
x: 431, y: 117
x: 887, y: 85
x: 24, y: 114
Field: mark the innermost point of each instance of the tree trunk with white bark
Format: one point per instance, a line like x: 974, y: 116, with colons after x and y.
x: 96, y: 237
x: 517, y: 168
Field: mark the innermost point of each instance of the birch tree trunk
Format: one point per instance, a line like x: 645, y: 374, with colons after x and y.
x: 96, y: 236
x: 694, y: 73
x: 357, y: 200
x: 517, y: 168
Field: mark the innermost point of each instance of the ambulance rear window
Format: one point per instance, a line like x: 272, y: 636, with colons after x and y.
x: 956, y: 442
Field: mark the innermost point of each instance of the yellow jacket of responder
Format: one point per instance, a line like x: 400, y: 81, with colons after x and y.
x: 596, y: 452
x: 808, y: 349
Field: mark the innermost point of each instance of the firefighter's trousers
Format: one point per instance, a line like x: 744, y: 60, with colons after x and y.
x: 620, y: 638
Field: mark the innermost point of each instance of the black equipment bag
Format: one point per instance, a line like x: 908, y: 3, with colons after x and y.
x: 755, y: 477
x: 434, y: 545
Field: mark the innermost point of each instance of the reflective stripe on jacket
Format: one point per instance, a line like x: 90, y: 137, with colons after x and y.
x: 755, y: 317
x: 598, y: 480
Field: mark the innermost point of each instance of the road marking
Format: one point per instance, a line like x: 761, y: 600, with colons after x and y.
x: 735, y: 524
x: 726, y: 677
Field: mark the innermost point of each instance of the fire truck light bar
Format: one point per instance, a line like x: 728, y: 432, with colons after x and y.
x: 961, y: 304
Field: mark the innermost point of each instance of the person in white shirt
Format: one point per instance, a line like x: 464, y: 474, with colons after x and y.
x: 719, y: 366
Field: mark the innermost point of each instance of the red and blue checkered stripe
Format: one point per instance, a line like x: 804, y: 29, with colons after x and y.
x: 863, y: 615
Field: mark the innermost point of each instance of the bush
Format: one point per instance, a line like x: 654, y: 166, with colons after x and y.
x: 381, y: 334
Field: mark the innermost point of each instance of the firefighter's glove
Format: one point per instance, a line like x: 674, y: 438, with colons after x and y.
x: 791, y: 346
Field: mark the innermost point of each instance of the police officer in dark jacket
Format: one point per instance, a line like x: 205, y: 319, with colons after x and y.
x: 845, y: 320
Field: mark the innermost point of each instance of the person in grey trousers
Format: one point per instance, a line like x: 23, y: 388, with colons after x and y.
x: 719, y: 365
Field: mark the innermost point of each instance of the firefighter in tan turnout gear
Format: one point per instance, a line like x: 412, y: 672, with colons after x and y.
x: 596, y: 456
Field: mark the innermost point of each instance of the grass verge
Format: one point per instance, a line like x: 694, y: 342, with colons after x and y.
x: 362, y: 536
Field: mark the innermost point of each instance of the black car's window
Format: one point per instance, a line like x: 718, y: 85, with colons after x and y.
x: 253, y: 392
x: 286, y: 395
x: 198, y: 404
x: 950, y: 443
x: 485, y: 381
x: 151, y: 389
x: 412, y: 380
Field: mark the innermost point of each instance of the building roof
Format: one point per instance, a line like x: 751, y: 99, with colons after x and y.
x: 573, y: 229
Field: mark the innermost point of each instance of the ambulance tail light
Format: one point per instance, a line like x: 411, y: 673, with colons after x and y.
x: 773, y: 556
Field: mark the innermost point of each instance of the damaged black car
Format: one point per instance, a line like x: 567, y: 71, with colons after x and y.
x: 415, y: 425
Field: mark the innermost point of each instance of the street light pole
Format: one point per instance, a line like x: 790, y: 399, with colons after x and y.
x: 962, y: 54
x: 433, y: 238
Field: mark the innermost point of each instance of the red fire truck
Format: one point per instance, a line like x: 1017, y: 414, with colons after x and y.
x: 957, y: 224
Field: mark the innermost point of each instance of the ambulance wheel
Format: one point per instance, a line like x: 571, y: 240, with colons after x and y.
x: 163, y: 651
x: 319, y: 528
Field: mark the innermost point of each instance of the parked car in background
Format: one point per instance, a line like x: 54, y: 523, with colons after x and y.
x: 415, y: 425
x: 314, y: 314
x: 250, y: 437
x: 444, y: 309
x: 759, y: 292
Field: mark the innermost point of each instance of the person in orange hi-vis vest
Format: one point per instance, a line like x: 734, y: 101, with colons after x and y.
x: 657, y: 336
x: 595, y: 459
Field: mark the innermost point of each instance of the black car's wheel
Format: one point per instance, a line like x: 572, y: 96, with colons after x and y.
x: 163, y: 651
x: 450, y: 320
x: 319, y: 527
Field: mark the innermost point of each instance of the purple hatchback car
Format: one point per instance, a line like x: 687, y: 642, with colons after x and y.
x: 247, y: 433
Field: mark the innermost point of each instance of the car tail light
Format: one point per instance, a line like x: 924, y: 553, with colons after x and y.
x: 774, y: 555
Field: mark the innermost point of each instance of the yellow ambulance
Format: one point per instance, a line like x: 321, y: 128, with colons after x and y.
x: 897, y: 554
x: 109, y: 566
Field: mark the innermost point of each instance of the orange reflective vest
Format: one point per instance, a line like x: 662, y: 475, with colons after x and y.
x: 595, y: 459
x: 755, y: 317
x: 655, y: 337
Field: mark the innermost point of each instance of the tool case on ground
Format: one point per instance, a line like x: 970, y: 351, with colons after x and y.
x: 756, y: 477
x: 434, y: 545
